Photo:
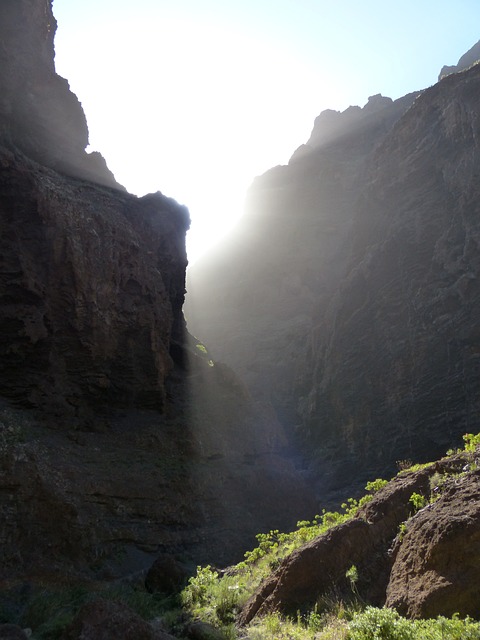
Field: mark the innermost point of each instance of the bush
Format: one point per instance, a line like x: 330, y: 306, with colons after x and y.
x: 380, y: 624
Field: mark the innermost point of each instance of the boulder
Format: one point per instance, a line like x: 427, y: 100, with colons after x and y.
x: 166, y: 575
x: 437, y: 566
x: 198, y: 630
x: 106, y: 620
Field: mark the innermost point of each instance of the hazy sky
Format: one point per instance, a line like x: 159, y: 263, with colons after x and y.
x: 195, y: 97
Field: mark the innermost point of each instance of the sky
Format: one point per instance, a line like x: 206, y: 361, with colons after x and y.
x: 194, y: 98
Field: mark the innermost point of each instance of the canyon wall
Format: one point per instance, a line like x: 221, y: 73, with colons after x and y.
x: 349, y: 296
x: 119, y: 437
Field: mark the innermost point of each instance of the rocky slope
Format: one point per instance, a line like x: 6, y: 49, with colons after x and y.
x: 355, y: 303
x: 119, y: 437
x: 424, y: 564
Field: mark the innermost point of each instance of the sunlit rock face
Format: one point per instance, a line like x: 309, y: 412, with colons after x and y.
x: 349, y: 295
x: 119, y: 437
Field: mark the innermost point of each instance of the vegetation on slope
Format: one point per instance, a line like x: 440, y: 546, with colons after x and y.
x: 216, y: 597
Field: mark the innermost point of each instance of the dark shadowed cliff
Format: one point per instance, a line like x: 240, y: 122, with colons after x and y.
x: 119, y: 437
x: 38, y: 112
x: 348, y: 297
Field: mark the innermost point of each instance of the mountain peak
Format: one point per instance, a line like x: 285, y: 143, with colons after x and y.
x: 471, y: 57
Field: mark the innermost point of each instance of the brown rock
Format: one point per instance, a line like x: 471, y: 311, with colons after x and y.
x: 437, y: 566
x: 92, y: 291
x: 106, y: 620
x: 202, y: 631
x: 318, y: 568
x: 166, y: 575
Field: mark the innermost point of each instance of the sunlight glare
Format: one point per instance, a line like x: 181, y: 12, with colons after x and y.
x: 201, y: 110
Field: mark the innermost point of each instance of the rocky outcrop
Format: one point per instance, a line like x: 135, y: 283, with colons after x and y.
x: 38, y: 112
x: 368, y: 122
x: 436, y: 568
x: 355, y: 297
x: 108, y: 620
x: 424, y: 564
x: 467, y: 60
x: 91, y: 278
x: 91, y: 291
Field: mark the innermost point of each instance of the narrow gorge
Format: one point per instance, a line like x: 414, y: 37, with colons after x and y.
x: 331, y: 340
x: 119, y: 440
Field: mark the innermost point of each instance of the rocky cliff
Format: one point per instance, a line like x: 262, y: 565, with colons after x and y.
x: 422, y: 561
x: 119, y: 437
x: 92, y: 279
x: 355, y: 303
x: 38, y: 112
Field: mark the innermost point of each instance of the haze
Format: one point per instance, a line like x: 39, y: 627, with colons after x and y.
x: 195, y: 99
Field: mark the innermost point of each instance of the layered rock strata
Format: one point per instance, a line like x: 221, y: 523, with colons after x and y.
x: 119, y: 437
x: 355, y: 304
x: 91, y: 290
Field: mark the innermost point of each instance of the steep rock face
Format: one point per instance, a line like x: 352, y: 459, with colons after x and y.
x: 378, y: 114
x: 91, y: 290
x: 253, y: 302
x: 102, y: 501
x: 38, y: 112
x: 354, y: 303
x: 395, y: 362
x: 119, y: 437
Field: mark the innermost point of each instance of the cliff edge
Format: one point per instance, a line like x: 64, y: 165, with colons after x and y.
x: 120, y: 438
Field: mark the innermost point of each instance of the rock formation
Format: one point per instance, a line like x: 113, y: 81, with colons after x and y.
x: 119, y: 437
x: 436, y: 566
x: 92, y: 289
x: 467, y: 60
x: 424, y: 564
x: 355, y: 304
x: 104, y: 620
x: 38, y: 112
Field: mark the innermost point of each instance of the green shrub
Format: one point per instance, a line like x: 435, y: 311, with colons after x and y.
x: 380, y: 624
x: 418, y: 501
x: 471, y: 441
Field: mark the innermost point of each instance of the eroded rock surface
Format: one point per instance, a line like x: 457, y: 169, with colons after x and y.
x: 356, y: 292
x: 430, y: 570
x: 119, y: 438
x: 437, y: 566
x: 91, y: 290
x: 38, y: 112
